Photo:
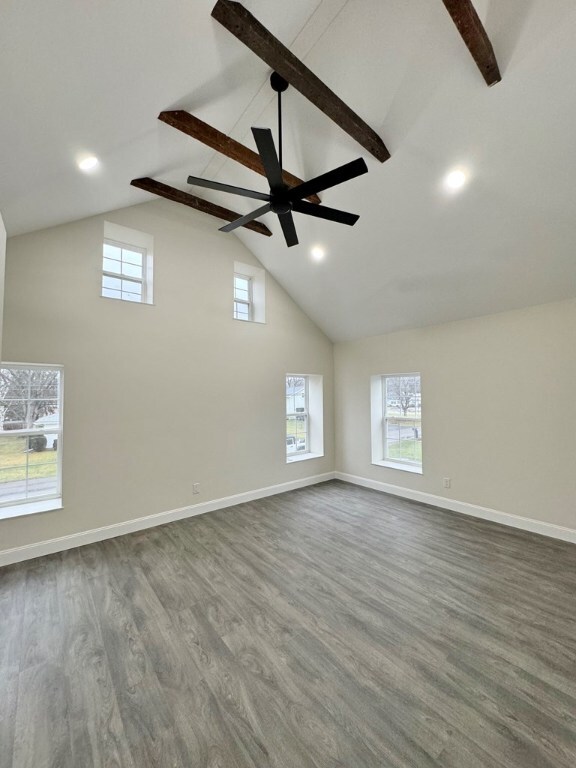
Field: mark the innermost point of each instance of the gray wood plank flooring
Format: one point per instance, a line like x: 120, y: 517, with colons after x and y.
x: 329, y: 627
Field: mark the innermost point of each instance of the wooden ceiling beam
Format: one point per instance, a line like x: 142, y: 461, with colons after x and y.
x: 198, y: 203
x: 212, y: 137
x: 474, y: 35
x: 240, y: 22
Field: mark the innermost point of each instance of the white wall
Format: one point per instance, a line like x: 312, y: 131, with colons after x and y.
x: 2, y: 268
x: 157, y: 397
x: 499, y: 409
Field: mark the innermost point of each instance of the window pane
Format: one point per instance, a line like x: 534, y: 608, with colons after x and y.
x: 296, y: 434
x: 132, y: 257
x: 112, y: 252
x: 111, y: 282
x: 295, y: 394
x: 42, y: 472
x: 241, y: 288
x: 131, y: 270
x: 241, y: 311
x: 131, y: 287
x: 241, y: 294
x: 26, y: 395
x: 131, y: 297
x: 13, y: 478
x: 112, y: 266
x: 111, y: 294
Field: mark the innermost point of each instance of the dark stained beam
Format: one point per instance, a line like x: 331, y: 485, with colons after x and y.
x: 240, y: 22
x: 177, y: 196
x: 474, y: 35
x: 212, y: 137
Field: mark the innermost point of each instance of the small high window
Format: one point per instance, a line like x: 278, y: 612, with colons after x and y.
x: 249, y: 293
x: 30, y: 433
x: 242, y: 297
x: 123, y: 272
x: 126, y: 264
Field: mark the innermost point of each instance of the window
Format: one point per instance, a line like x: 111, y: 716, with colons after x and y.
x: 242, y: 297
x: 126, y: 264
x: 397, y: 421
x: 30, y: 433
x: 304, y: 417
x: 123, y: 272
x: 249, y: 293
x: 296, y: 415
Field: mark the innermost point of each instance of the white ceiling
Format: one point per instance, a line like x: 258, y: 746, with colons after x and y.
x: 83, y: 77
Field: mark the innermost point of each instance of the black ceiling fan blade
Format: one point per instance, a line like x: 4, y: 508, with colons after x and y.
x: 198, y: 182
x: 245, y: 219
x: 267, y: 151
x: 287, y: 224
x: 323, y: 212
x: 329, y: 179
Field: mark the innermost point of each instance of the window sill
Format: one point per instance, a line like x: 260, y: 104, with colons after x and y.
x: 125, y: 301
x: 303, y: 457
x: 398, y: 465
x: 30, y: 508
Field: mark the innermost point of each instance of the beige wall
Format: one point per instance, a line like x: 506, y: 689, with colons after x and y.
x: 157, y: 397
x: 499, y: 409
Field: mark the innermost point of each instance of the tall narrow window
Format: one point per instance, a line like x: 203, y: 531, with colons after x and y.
x: 30, y: 432
x: 242, y: 297
x: 297, y: 433
x: 396, y: 408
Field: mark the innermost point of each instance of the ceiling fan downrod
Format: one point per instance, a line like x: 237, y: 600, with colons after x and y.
x: 279, y: 85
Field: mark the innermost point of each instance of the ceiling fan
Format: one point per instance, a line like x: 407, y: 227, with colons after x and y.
x: 282, y: 199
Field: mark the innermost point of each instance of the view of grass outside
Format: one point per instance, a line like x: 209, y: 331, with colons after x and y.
x: 408, y: 450
x: 30, y: 432
x: 295, y: 426
x: 18, y: 462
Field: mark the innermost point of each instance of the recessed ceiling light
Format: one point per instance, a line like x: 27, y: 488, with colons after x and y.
x: 317, y: 253
x: 88, y: 163
x: 455, y: 180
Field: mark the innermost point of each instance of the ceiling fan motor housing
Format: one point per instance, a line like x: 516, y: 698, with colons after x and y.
x: 279, y: 202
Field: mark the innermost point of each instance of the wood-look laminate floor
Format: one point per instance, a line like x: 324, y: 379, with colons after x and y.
x: 328, y: 627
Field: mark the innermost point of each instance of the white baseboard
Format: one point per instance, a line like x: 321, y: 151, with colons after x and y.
x: 504, y: 518
x: 41, y: 548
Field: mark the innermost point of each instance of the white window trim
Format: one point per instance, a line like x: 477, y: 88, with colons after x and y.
x: 247, y: 302
x: 377, y: 418
x: 30, y: 508
x: 257, y: 277
x: 133, y: 239
x: 315, y: 413
x: 48, y: 502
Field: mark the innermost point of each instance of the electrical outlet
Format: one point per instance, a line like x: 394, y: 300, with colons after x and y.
x: 196, y: 488
x: 447, y: 482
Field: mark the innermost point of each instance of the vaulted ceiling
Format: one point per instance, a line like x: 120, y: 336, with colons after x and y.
x: 92, y: 78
